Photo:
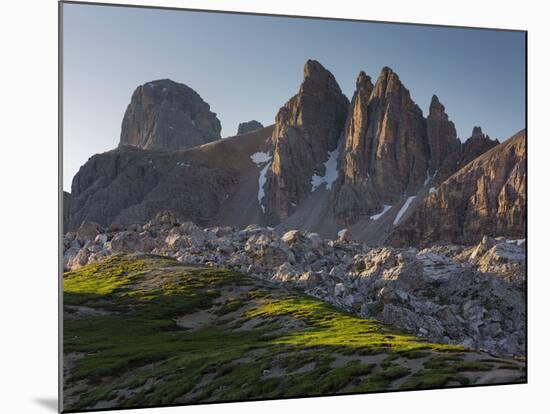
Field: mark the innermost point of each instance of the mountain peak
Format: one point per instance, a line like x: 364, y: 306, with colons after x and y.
x: 363, y: 81
x: 436, y: 105
x: 307, y: 129
x: 313, y: 69
x: 167, y: 115
x: 476, y: 145
x: 477, y: 132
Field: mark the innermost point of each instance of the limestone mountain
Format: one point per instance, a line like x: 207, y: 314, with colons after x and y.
x: 486, y: 196
x: 250, y: 126
x: 368, y: 166
x: 166, y: 115
x: 307, y: 130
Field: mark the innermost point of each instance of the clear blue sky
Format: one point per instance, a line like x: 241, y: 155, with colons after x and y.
x: 246, y: 67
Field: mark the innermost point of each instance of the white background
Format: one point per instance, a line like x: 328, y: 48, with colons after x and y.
x: 28, y: 203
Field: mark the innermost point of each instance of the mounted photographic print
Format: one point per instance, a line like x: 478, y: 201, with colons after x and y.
x: 261, y: 207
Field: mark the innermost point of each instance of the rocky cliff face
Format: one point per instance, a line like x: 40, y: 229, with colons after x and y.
x: 165, y: 115
x: 386, y: 153
x: 396, y: 135
x: 250, y: 126
x: 445, y: 147
x: 486, y: 197
x: 354, y: 195
x: 130, y: 185
x: 476, y: 145
x: 307, y: 130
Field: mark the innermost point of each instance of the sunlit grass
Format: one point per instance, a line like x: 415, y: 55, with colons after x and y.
x: 138, y: 355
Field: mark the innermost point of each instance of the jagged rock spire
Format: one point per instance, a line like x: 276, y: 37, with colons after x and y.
x: 307, y: 128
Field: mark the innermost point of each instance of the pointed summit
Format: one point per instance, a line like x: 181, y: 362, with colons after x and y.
x: 436, y: 106
x: 444, y: 145
x: 476, y: 145
x: 364, y: 82
x: 313, y: 69
x: 307, y: 129
x: 388, y: 83
x: 477, y: 132
x: 386, y: 151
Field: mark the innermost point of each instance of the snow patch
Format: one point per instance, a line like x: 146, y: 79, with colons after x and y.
x: 260, y: 157
x: 428, y: 177
x: 384, y: 211
x: 427, y: 180
x: 432, y: 190
x: 331, y: 172
x: 341, y: 232
x: 518, y: 242
x: 403, y: 209
x: 261, y: 183
x: 182, y: 164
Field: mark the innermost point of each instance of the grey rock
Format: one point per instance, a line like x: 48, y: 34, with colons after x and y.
x: 250, y: 126
x: 166, y: 115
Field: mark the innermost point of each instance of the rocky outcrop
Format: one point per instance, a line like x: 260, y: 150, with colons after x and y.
x: 307, y: 129
x: 386, y: 153
x: 210, y: 184
x: 250, y: 126
x: 477, y: 144
x: 469, y: 295
x: 396, y: 137
x: 486, y: 197
x: 445, y: 147
x: 354, y: 195
x: 165, y: 115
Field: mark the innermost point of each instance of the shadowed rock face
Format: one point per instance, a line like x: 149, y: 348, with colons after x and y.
x: 307, y: 128
x: 130, y: 185
x: 487, y: 196
x: 250, y: 126
x: 326, y: 164
x: 445, y: 148
x: 396, y: 136
x: 354, y: 196
x: 165, y: 115
x: 476, y: 145
x: 386, y: 153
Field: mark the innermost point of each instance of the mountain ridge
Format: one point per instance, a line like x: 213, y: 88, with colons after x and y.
x: 326, y: 164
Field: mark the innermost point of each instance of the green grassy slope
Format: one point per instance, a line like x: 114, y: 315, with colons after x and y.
x: 149, y: 331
